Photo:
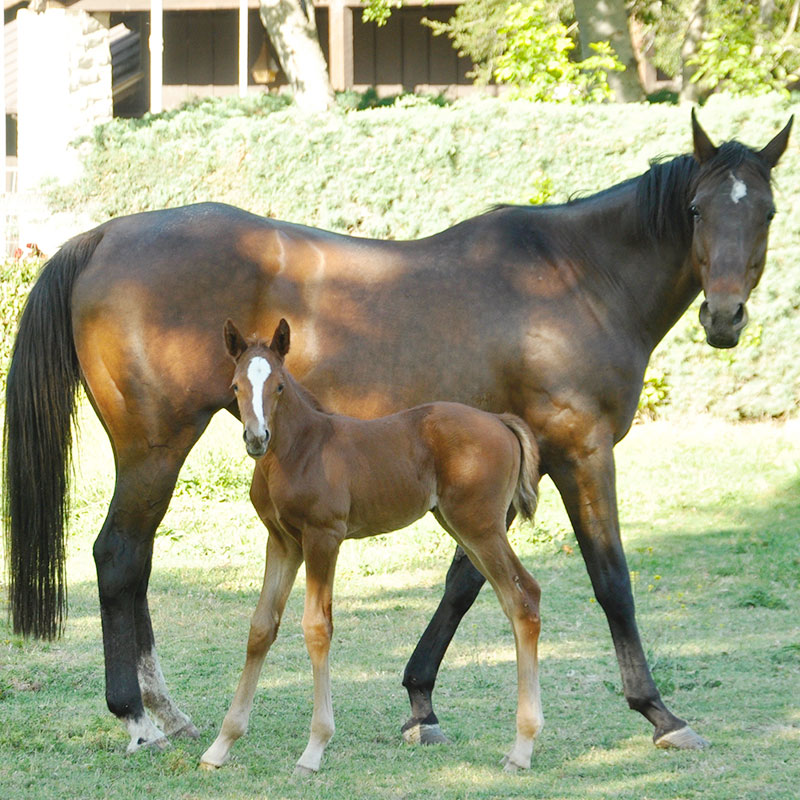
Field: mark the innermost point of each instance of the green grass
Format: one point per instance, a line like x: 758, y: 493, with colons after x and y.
x: 710, y: 515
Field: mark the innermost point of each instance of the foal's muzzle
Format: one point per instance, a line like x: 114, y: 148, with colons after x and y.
x: 724, y: 320
x: 255, y: 444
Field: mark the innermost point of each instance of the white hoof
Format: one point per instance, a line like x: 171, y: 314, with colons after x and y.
x: 683, y: 739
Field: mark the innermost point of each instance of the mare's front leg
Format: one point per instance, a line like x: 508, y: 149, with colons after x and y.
x: 283, y: 560
x: 320, y: 550
x: 587, y: 486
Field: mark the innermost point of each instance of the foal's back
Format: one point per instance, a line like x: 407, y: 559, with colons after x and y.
x: 390, y: 471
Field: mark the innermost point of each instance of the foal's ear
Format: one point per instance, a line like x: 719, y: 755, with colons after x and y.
x: 280, y: 339
x: 704, y: 149
x: 771, y: 154
x: 234, y: 341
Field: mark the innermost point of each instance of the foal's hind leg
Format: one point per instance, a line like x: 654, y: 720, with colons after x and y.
x: 519, y: 595
x: 283, y: 560
x: 320, y: 549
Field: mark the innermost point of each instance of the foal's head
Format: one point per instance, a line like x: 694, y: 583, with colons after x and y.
x: 731, y: 210
x: 258, y: 382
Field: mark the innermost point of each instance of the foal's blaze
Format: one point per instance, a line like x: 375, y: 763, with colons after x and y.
x: 731, y: 210
x: 330, y: 478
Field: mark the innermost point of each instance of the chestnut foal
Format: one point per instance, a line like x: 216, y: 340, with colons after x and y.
x: 329, y: 478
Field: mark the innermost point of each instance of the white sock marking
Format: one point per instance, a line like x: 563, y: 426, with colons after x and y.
x: 258, y: 370
x: 738, y: 190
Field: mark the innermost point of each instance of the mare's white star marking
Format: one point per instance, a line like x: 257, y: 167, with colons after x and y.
x: 738, y: 190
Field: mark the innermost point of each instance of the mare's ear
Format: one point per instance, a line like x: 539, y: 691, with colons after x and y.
x: 771, y: 154
x: 704, y: 149
x: 234, y: 341
x: 280, y: 339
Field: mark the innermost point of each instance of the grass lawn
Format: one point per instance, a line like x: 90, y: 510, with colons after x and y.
x: 711, y: 520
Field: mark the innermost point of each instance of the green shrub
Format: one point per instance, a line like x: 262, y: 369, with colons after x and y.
x: 415, y: 167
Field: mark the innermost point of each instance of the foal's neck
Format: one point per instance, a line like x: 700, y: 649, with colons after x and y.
x: 298, y: 418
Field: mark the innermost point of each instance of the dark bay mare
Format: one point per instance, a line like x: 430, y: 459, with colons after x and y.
x: 548, y: 312
x: 330, y: 477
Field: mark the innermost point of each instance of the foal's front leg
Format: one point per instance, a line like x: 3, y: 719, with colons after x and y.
x: 283, y: 561
x: 320, y: 550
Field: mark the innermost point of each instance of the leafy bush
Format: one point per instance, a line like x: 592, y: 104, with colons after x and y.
x: 536, y: 58
x: 414, y: 168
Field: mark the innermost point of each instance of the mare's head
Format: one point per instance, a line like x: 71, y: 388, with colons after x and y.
x: 731, y: 208
x: 258, y: 382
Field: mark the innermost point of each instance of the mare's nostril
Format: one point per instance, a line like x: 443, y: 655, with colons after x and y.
x: 739, y: 314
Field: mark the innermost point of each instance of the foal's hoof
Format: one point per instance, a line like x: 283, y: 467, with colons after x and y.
x: 422, y: 733
x: 207, y: 766
x: 683, y: 739
x: 188, y: 730
x: 303, y: 772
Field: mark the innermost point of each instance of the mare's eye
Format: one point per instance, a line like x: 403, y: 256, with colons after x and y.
x: 280, y: 388
x: 771, y: 215
x: 694, y: 211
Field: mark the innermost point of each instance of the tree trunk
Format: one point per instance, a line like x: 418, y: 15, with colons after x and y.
x: 692, y: 92
x: 607, y: 21
x: 292, y: 30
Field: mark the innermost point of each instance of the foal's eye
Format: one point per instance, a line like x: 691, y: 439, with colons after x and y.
x: 280, y: 388
x: 235, y: 388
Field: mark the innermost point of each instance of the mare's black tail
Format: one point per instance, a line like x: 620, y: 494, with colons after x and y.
x: 42, y: 383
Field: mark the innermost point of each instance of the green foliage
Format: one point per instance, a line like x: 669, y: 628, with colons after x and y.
x: 16, y: 279
x: 655, y: 394
x: 475, y: 31
x: 743, y: 54
x: 379, y: 11
x: 536, y: 58
x: 406, y: 171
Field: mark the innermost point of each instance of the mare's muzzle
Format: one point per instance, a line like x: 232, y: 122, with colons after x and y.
x: 723, y: 318
x: 255, y: 444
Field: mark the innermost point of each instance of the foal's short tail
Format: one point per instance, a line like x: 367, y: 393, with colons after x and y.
x: 42, y: 382
x: 526, y: 496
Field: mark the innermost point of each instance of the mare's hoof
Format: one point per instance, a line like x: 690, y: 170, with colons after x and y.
x: 303, y: 772
x: 421, y: 733
x: 207, y: 766
x: 188, y: 730
x: 159, y: 745
x: 683, y: 739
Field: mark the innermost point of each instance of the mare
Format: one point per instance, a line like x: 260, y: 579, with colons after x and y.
x: 549, y: 312
x: 329, y: 478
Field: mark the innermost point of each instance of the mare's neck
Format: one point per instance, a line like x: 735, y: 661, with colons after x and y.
x: 641, y: 264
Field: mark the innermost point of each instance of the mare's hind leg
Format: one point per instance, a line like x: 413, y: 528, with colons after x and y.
x: 518, y: 593
x: 320, y: 550
x: 462, y: 585
x: 283, y: 560
x: 155, y: 695
x: 123, y: 553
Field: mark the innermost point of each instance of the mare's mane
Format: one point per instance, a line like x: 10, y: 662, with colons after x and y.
x: 662, y: 198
